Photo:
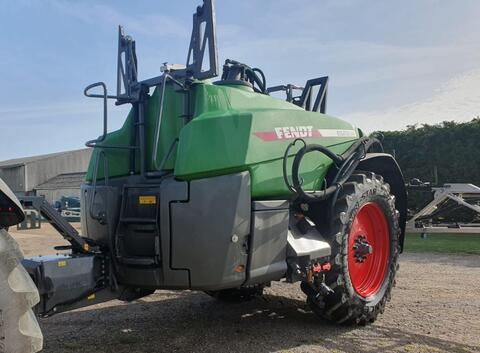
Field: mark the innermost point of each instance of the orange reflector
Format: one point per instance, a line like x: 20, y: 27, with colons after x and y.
x: 240, y: 268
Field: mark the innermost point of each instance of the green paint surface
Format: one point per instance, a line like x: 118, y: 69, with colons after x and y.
x: 224, y: 136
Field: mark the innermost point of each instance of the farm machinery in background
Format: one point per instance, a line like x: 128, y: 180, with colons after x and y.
x: 69, y: 208
x: 455, y: 208
x: 34, y: 209
x: 219, y: 187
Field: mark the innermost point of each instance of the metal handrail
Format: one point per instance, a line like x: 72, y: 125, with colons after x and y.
x: 104, y: 96
x: 159, y: 122
x: 94, y: 184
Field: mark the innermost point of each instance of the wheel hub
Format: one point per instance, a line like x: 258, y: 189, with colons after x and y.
x: 368, y: 249
x: 361, y: 249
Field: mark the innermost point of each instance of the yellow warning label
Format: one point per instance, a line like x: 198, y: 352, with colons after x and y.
x: 91, y: 296
x: 147, y: 200
x: 62, y: 263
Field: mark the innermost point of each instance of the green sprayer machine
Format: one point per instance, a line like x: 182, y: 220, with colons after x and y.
x: 216, y: 186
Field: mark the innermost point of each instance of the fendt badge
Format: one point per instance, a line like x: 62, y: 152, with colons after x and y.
x: 293, y: 132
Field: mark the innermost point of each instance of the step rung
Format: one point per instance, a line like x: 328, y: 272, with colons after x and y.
x: 139, y: 261
x: 138, y: 220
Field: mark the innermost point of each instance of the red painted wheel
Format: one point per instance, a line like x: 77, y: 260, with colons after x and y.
x: 368, y: 250
x: 363, y: 234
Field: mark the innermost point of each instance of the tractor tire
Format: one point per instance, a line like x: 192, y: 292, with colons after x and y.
x: 237, y: 295
x: 19, y: 329
x: 364, y: 235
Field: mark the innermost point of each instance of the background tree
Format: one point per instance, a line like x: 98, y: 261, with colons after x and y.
x: 453, y: 148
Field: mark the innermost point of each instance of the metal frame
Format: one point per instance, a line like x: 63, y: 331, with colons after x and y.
x: 203, y: 37
x: 320, y: 103
x: 289, y: 88
x: 127, y: 71
x: 306, y: 100
x: 455, y: 192
x: 130, y: 90
x: 78, y: 243
x: 32, y: 220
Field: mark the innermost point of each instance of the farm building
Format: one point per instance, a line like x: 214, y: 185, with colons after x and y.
x: 52, y: 175
x: 67, y: 184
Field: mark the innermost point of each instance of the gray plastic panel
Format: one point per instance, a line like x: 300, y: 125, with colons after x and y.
x: 311, y: 244
x: 107, y: 201
x: 172, y: 192
x: 268, y: 245
x: 63, y: 279
x: 210, y: 231
x: 269, y: 205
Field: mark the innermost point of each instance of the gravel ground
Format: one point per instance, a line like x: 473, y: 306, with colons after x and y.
x: 435, y: 308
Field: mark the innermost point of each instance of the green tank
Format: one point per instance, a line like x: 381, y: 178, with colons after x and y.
x: 232, y: 129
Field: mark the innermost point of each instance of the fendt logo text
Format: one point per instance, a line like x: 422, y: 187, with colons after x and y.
x: 293, y: 132
x: 287, y: 132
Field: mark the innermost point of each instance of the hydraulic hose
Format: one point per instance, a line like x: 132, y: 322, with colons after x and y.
x: 345, y: 163
x: 297, y: 184
x: 262, y: 84
x: 254, y: 76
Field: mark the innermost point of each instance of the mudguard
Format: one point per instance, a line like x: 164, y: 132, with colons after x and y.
x: 385, y: 165
x: 11, y: 211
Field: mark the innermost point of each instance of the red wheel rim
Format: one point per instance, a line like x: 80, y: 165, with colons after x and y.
x: 368, y: 250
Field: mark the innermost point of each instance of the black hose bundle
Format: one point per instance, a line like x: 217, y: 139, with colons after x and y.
x: 233, y: 69
x: 345, y: 164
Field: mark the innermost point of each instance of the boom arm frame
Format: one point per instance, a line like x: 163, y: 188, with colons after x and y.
x: 129, y: 90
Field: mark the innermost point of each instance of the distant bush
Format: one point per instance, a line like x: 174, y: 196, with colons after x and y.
x: 453, y: 148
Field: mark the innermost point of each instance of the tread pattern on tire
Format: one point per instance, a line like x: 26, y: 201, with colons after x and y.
x: 345, y: 306
x: 19, y: 329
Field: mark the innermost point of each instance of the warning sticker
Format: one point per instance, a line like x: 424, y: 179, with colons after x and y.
x: 147, y: 200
